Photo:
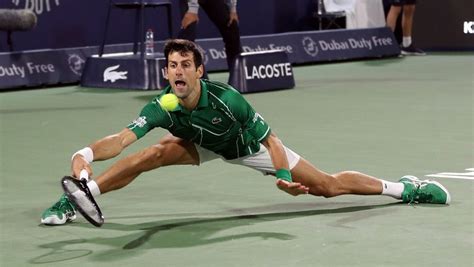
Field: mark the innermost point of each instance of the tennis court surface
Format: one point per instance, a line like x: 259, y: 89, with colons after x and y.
x: 386, y: 117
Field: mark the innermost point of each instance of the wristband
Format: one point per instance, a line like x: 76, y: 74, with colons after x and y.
x: 86, y: 152
x: 283, y: 174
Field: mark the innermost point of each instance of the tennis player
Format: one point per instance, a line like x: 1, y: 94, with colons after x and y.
x: 214, y: 121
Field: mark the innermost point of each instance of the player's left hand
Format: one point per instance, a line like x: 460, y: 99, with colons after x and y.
x: 233, y: 17
x: 292, y: 188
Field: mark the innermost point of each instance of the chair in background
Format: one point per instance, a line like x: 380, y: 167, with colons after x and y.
x: 331, y: 17
x: 139, y: 6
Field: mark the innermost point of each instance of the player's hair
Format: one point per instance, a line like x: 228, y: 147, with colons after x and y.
x: 183, y: 46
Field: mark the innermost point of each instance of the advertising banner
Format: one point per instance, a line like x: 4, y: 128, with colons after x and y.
x: 62, y: 66
x: 262, y: 71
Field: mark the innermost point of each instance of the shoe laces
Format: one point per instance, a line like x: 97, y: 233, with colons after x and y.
x: 419, y: 194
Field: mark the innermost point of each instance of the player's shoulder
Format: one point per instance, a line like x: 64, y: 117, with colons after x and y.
x: 223, y: 91
x: 220, y: 88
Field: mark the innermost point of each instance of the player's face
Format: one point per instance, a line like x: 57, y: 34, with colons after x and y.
x: 183, y: 74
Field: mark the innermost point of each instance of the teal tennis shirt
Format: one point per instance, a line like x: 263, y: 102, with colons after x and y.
x: 223, y: 121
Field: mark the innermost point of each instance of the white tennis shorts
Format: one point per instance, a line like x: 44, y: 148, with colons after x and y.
x: 259, y: 161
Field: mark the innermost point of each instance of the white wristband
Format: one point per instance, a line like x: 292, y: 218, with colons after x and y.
x: 87, y: 153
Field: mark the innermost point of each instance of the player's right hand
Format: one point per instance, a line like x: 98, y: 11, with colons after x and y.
x: 80, y: 163
x: 292, y: 188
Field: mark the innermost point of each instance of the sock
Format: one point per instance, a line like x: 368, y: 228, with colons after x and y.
x: 406, y: 41
x: 392, y: 189
x: 94, y: 188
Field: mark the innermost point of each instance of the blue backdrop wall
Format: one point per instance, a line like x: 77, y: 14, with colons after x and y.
x: 72, y: 23
x: 78, y: 23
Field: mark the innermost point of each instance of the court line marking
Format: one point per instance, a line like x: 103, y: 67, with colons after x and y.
x: 455, y: 175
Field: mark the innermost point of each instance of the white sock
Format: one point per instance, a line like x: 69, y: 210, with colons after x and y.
x: 406, y: 41
x: 392, y: 189
x: 94, y: 188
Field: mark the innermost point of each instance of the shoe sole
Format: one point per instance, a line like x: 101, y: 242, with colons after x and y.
x: 54, y: 220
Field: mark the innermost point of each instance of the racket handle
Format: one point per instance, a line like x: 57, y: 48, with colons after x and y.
x: 84, y: 175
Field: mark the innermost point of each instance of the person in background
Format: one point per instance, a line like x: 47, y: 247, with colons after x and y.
x: 223, y: 13
x: 408, y: 7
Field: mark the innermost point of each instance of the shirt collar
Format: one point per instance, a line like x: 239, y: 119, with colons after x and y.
x: 203, y: 99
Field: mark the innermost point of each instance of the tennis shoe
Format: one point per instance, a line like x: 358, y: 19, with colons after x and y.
x: 426, y: 191
x: 412, y: 51
x: 60, y: 213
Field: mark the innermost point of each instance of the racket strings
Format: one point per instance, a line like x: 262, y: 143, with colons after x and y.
x: 82, y: 198
x: 84, y: 202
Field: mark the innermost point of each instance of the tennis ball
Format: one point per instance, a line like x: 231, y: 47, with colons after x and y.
x: 169, y: 102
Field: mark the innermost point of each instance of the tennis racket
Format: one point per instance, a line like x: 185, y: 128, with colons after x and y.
x: 78, y: 192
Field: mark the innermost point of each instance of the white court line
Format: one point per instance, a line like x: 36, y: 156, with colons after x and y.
x: 450, y: 176
x: 455, y: 175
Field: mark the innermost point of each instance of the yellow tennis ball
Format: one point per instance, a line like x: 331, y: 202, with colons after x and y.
x: 169, y: 102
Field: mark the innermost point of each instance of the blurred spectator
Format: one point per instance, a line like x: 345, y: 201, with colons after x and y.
x: 223, y: 13
x: 407, y: 24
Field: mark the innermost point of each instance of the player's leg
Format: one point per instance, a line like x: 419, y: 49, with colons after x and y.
x: 327, y: 185
x: 408, y: 189
x: 170, y: 150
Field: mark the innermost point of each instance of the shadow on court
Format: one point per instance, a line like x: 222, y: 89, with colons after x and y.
x: 186, y: 232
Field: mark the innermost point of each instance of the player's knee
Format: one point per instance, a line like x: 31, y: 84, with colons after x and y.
x: 330, y: 190
x: 333, y: 185
x: 168, y: 139
x: 327, y: 187
x: 149, y: 158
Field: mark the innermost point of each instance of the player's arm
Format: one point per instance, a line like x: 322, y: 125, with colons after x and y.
x: 256, y: 126
x: 277, y: 152
x: 112, y: 145
x: 103, y: 149
x: 280, y: 163
x: 151, y: 116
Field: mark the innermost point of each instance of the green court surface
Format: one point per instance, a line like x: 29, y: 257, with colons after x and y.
x: 387, y: 118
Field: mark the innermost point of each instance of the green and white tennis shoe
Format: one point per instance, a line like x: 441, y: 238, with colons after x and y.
x: 61, y: 212
x: 426, y: 191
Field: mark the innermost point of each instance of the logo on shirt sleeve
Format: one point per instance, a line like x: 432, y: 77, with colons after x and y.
x: 256, y: 117
x: 139, y: 122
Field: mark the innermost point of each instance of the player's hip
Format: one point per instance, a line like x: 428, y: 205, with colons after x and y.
x: 259, y: 160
